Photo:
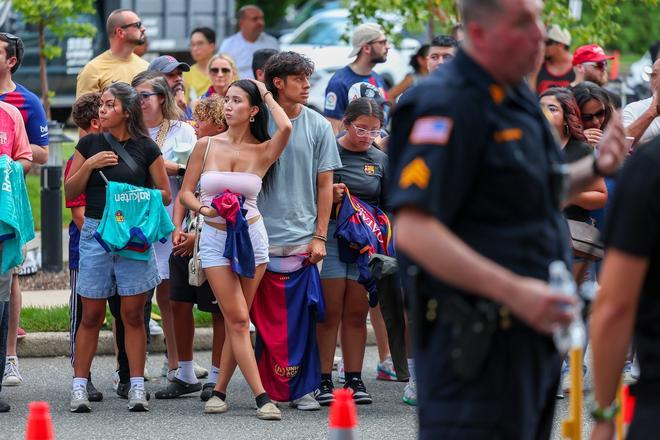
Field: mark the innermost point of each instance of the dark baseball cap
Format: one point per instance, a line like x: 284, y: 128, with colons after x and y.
x: 167, y: 64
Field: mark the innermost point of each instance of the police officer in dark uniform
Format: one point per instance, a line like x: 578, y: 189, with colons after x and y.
x: 477, y: 188
x: 628, y: 298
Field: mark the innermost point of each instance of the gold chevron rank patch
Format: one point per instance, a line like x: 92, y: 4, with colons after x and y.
x: 415, y: 173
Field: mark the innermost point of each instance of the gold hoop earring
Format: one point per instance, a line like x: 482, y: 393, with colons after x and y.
x: 251, y: 118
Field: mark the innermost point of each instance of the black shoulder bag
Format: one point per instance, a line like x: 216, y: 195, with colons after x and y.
x: 121, y: 152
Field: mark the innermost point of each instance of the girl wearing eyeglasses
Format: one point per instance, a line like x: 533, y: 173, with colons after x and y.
x: 363, y: 173
x: 175, y: 139
x: 222, y: 72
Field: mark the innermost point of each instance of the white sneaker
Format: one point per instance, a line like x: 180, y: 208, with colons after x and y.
x: 115, y: 379
x: 341, y: 374
x: 12, y: 376
x: 306, y: 403
x: 200, y: 372
x: 410, y: 393
x: 154, y: 328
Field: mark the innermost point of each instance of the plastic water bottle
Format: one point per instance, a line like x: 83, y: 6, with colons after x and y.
x: 573, y: 335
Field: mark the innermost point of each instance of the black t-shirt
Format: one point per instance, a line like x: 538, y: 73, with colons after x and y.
x: 364, y: 174
x: 573, y: 151
x: 633, y: 226
x: 143, y: 150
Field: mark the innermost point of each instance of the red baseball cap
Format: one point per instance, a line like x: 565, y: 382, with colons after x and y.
x: 589, y: 53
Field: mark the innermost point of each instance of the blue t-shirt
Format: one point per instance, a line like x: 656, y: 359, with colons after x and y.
x: 33, y: 114
x: 336, y: 94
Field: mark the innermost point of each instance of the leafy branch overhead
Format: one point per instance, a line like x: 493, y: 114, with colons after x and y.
x: 600, y: 22
x: 59, y: 18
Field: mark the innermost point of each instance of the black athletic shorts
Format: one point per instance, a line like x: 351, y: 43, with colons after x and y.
x: 180, y: 290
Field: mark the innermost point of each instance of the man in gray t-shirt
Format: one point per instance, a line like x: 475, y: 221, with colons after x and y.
x: 296, y: 207
x: 296, y: 204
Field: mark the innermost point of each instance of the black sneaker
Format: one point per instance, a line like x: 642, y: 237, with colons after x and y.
x: 323, y: 394
x: 4, y: 406
x: 93, y: 395
x: 360, y: 394
x: 124, y: 388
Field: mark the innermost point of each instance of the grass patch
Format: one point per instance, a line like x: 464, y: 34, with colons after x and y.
x: 56, y: 319
x: 33, y: 183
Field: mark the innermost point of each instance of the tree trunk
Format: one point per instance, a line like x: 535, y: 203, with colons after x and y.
x: 42, y: 69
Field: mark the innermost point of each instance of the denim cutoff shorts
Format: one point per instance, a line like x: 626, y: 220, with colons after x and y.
x: 101, y: 271
x: 332, y: 266
x: 212, y: 245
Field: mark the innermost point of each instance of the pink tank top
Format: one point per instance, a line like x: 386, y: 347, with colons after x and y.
x: 247, y: 184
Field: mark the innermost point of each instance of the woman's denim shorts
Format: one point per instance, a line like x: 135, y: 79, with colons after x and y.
x: 101, y: 271
x: 332, y: 266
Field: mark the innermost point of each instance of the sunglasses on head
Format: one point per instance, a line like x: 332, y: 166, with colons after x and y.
x: 137, y: 24
x: 586, y: 117
x: 600, y: 65
x: 216, y: 70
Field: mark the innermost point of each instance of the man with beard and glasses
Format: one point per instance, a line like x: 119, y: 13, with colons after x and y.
x: 118, y: 63
x: 370, y: 45
x: 590, y: 64
x: 173, y: 71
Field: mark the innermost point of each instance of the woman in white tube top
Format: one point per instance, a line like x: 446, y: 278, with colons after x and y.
x: 237, y: 160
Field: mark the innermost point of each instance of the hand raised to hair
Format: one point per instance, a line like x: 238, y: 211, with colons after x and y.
x: 261, y: 86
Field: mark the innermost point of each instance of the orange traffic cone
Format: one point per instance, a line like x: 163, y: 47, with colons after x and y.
x: 39, y: 424
x: 343, y: 416
x: 628, y: 405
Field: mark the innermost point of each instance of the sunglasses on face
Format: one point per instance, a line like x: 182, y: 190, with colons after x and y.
x: 363, y: 132
x: 146, y: 95
x: 216, y: 70
x: 600, y: 65
x: 586, y: 117
x: 137, y: 24
x: 383, y: 41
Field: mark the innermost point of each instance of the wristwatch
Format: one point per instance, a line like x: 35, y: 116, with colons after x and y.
x: 600, y: 414
x: 181, y: 171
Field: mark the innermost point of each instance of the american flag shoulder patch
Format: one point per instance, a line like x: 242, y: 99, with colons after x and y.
x: 434, y: 130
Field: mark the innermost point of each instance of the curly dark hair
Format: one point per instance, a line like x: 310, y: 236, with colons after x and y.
x: 284, y: 64
x: 572, y: 118
x: 85, y: 109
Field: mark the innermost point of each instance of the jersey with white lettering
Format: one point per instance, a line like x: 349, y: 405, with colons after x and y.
x: 133, y: 219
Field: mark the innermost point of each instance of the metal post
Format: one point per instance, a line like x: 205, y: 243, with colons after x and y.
x: 51, y: 200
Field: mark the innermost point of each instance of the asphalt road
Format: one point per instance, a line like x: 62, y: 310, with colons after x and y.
x: 49, y: 379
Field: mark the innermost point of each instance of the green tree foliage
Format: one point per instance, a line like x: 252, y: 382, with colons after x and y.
x: 628, y: 25
x: 58, y: 17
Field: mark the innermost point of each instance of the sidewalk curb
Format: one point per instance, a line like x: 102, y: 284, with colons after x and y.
x: 50, y: 344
